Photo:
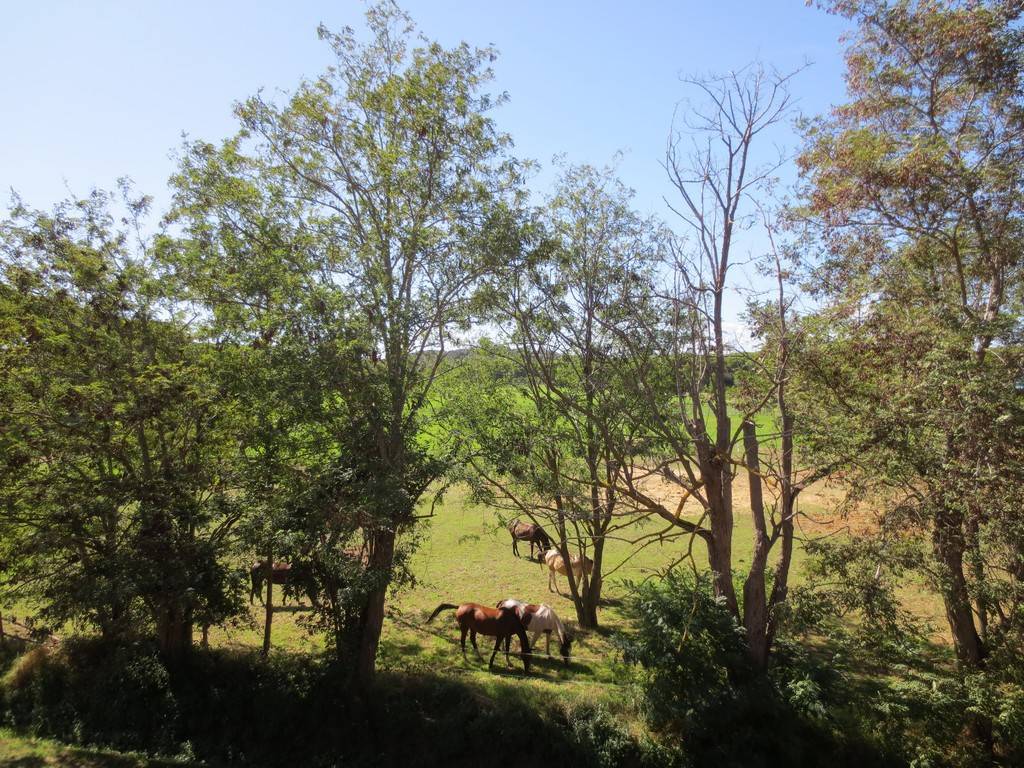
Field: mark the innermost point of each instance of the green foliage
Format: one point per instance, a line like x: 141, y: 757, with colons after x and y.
x: 606, y: 744
x: 91, y: 693
x: 114, y: 470
x: 851, y: 588
x: 238, y: 709
x: 699, y: 688
x: 341, y: 234
x: 692, y: 650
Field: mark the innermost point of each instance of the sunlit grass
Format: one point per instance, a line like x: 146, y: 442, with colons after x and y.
x: 17, y: 750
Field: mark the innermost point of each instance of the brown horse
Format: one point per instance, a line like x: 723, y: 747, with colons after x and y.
x: 499, y: 623
x: 279, y: 574
x: 289, y: 575
x: 530, y: 532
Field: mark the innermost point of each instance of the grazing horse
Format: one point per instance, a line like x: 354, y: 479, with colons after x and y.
x: 279, y: 574
x: 286, y: 574
x: 556, y: 564
x: 541, y: 618
x: 530, y: 532
x: 500, y: 623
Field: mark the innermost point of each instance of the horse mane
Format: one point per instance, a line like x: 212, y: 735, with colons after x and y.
x: 559, y: 626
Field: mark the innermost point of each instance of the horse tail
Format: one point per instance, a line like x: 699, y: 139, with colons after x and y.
x: 442, y: 607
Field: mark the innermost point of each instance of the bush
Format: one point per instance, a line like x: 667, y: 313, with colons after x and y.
x: 88, y: 692
x: 236, y: 708
x: 698, y: 687
x: 606, y: 744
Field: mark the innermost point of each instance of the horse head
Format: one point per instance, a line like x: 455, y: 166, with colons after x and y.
x: 565, y: 645
x: 543, y: 538
x: 510, y: 614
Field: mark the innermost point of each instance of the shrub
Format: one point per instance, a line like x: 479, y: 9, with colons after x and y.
x: 698, y: 688
x: 90, y: 692
x: 237, y: 708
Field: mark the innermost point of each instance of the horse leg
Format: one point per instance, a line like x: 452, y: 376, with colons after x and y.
x: 472, y: 639
x: 497, y: 645
x: 548, y: 633
x: 462, y: 640
x: 515, y: 546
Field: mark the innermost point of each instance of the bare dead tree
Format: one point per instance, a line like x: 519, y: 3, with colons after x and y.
x: 716, y: 162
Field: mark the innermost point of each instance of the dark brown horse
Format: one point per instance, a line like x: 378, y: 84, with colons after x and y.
x: 288, y: 575
x: 530, y: 532
x: 279, y: 574
x: 499, y: 623
x: 304, y: 576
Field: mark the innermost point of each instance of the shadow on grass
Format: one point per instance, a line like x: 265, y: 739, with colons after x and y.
x: 228, y: 708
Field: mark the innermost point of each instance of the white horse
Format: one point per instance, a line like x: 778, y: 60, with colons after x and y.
x: 556, y: 564
x: 542, y: 618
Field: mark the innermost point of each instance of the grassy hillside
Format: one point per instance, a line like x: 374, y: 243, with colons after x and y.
x: 466, y: 555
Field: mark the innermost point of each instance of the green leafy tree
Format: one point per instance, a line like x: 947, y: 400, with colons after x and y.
x: 388, y: 171
x: 914, y: 185
x: 545, y: 417
x: 114, y: 474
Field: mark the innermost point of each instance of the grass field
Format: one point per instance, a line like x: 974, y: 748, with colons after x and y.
x: 465, y: 555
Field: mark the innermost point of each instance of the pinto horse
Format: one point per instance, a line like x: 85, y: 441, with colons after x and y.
x: 541, y: 618
x: 500, y: 623
x: 530, y: 532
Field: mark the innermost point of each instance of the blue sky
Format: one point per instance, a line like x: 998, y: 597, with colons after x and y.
x: 101, y: 89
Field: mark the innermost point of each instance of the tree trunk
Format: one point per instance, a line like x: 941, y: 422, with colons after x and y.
x: 382, y: 556
x: 574, y: 586
x: 780, y: 590
x: 174, y: 629
x: 592, y: 598
x: 755, y: 609
x: 949, y: 546
x: 720, y: 541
